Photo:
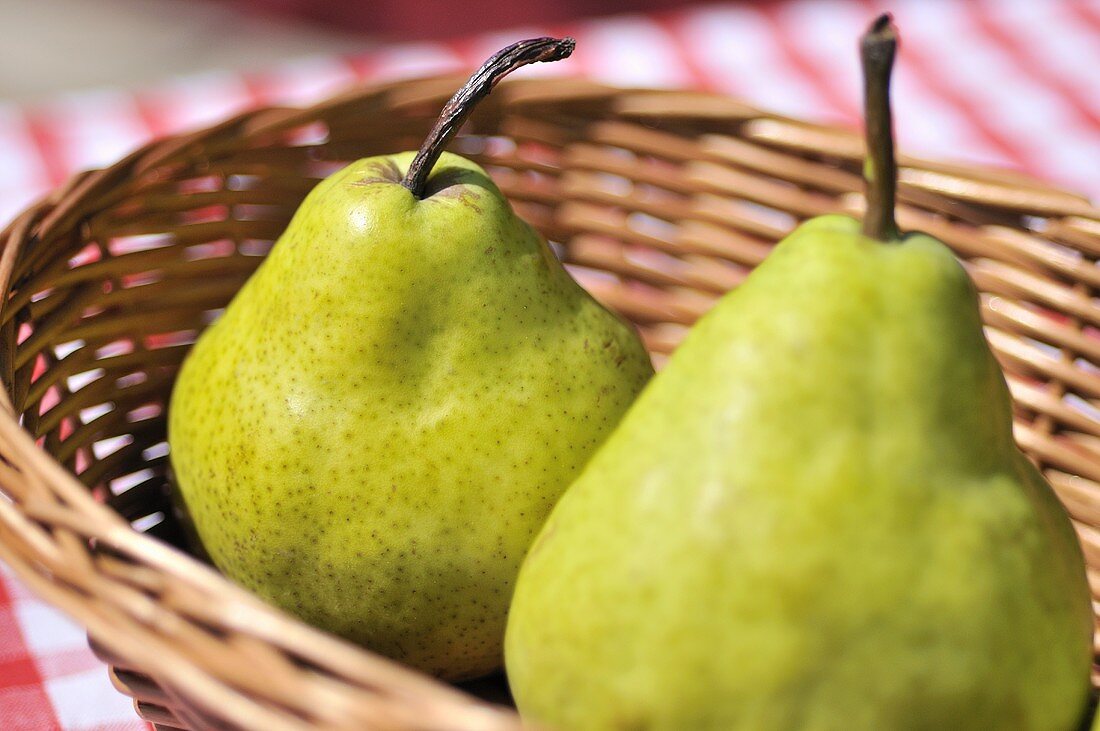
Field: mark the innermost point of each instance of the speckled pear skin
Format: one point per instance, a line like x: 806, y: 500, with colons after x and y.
x: 372, y: 434
x: 814, y: 518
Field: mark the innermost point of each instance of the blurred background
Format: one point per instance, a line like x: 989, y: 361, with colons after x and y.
x: 1004, y: 83
x: 1008, y: 83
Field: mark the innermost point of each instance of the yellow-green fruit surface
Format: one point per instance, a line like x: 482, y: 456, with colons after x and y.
x: 814, y: 519
x: 374, y: 431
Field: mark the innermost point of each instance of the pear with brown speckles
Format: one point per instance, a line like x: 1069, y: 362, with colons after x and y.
x: 375, y: 430
x: 815, y: 518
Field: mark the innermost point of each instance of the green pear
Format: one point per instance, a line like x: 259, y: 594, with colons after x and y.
x: 815, y: 518
x: 374, y: 431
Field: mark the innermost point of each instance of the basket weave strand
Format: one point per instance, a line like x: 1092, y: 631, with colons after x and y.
x: 659, y: 201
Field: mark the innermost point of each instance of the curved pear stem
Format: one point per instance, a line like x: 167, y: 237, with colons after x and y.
x: 478, y: 86
x: 877, y: 49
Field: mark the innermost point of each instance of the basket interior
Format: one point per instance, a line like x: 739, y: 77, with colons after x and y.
x: 658, y: 201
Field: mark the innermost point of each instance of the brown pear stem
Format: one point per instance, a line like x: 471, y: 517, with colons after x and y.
x: 877, y: 49
x: 478, y: 86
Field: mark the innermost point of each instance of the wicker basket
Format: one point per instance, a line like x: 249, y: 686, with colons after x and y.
x: 661, y: 200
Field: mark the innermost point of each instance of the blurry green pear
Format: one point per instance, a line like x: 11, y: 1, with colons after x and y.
x: 816, y: 518
x: 373, y: 433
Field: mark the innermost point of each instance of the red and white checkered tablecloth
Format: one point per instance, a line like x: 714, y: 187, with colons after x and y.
x: 1008, y: 83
